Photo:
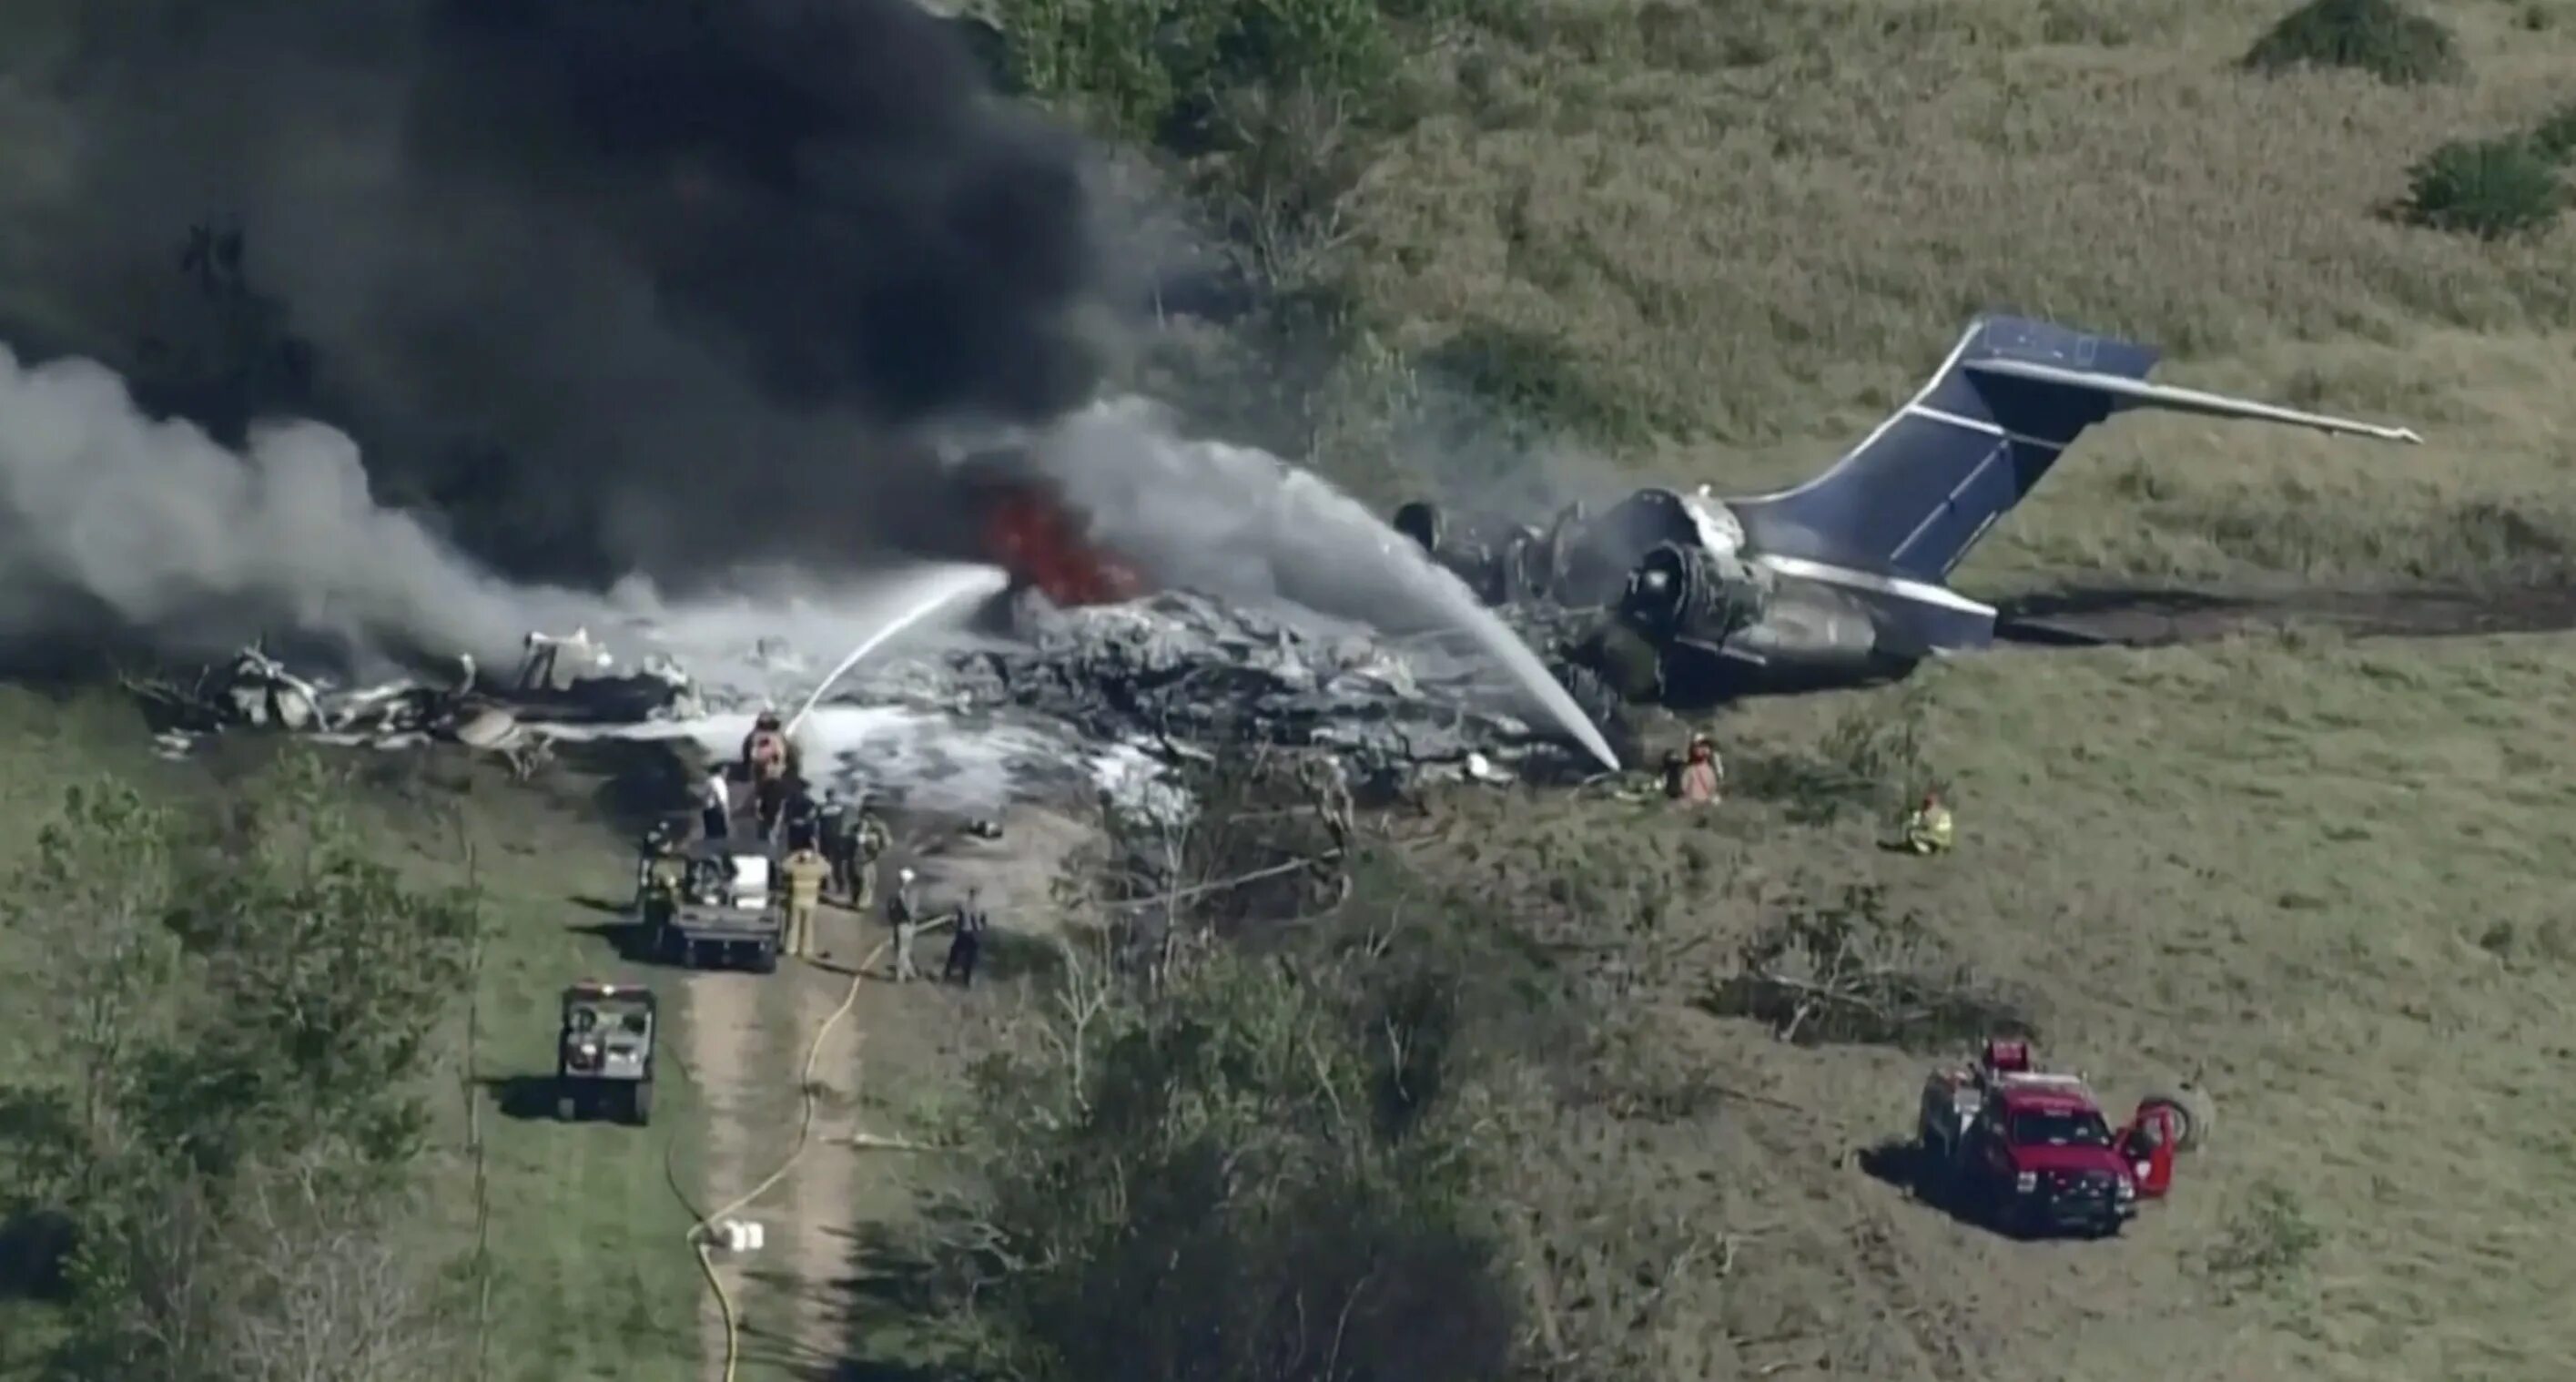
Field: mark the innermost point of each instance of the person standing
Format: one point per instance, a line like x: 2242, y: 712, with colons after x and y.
x: 967, y: 946
x: 872, y: 840
x: 715, y: 804
x: 803, y: 819
x: 903, y: 909
x: 1703, y: 774
x: 805, y: 871
x: 832, y: 830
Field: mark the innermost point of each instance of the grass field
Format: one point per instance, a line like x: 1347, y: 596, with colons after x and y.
x: 1718, y: 241
x: 2329, y: 877
x: 589, y: 1274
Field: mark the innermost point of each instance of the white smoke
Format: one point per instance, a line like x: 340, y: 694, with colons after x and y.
x: 155, y: 529
x: 1243, y: 525
x: 152, y: 527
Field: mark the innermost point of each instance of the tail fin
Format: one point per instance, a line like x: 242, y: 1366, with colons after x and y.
x: 1918, y: 493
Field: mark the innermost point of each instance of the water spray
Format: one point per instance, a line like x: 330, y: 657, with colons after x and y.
x: 939, y: 588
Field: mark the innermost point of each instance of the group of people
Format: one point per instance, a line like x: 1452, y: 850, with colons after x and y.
x: 830, y: 847
x: 1697, y: 776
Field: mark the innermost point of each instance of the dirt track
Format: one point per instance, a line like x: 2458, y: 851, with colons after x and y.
x: 2151, y: 618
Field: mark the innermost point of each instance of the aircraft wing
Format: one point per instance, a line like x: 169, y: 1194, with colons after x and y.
x: 2138, y: 393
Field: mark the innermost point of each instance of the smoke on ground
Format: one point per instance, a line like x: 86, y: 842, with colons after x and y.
x: 111, y: 523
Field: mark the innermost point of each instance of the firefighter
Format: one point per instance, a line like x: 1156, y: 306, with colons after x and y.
x: 871, y: 840
x: 1329, y: 789
x: 904, y: 912
x: 805, y: 871
x: 832, y: 833
x: 646, y: 851
x: 765, y: 759
x: 1702, y: 778
x: 1927, y: 827
x: 715, y: 804
x: 967, y: 946
x: 802, y: 817
x: 665, y: 875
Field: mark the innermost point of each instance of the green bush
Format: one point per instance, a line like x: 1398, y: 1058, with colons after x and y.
x: 2490, y: 188
x: 2269, y: 1240
x: 1151, y: 70
x: 232, y: 1018
x: 2555, y: 137
x: 1210, y: 1186
x: 2380, y: 37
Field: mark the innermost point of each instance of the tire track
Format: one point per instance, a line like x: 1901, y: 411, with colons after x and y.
x: 2139, y: 617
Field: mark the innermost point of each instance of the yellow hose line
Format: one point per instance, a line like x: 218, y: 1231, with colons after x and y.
x: 697, y: 1235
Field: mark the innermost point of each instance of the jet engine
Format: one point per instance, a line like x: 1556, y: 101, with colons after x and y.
x: 1686, y: 593
x: 1723, y: 625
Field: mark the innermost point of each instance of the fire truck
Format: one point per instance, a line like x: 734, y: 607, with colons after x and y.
x: 2030, y: 1152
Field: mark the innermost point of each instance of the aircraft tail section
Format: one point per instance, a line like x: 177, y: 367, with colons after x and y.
x: 1901, y: 510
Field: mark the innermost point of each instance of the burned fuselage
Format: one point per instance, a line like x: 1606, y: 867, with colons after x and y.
x: 1844, y: 578
x: 1668, y: 568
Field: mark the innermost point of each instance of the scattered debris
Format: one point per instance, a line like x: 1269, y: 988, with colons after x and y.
x: 1178, y: 674
x: 1850, y: 972
x: 560, y: 679
x: 1158, y: 683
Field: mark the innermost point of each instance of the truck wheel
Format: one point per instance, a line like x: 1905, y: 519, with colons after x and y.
x: 2192, y: 1116
x: 764, y: 960
x: 567, y: 1108
x: 639, y: 1105
x: 701, y: 955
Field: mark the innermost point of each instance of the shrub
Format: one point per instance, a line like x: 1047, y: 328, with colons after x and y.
x: 1184, y: 1188
x: 2490, y: 188
x: 2380, y: 37
x: 1153, y: 70
x: 2268, y: 1241
x: 2555, y: 137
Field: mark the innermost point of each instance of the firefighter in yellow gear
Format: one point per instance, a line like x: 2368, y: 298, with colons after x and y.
x: 666, y: 873
x: 805, y: 871
x: 870, y: 840
x: 1927, y: 827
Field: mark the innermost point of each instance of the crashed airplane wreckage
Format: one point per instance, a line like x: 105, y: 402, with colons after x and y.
x: 1669, y: 595
x: 564, y: 680
x: 1168, y: 677
x: 1843, y: 579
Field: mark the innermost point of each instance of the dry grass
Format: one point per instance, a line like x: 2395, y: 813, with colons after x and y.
x: 2333, y: 873
x: 1731, y: 234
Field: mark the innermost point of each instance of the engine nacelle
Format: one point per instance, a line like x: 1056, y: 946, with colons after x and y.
x: 1688, y: 593
x: 1808, y: 633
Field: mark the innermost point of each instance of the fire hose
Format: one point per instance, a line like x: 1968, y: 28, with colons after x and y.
x: 703, y: 1223
x: 699, y: 1230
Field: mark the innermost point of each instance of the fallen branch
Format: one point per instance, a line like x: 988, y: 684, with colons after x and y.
x: 1228, y: 884
x: 871, y: 1142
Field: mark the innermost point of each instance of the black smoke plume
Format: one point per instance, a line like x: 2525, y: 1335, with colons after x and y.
x: 607, y: 285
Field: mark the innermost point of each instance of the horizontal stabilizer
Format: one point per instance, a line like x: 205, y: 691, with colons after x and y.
x: 2129, y: 393
x: 1927, y: 484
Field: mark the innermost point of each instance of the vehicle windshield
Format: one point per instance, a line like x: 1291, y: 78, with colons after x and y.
x: 609, y: 1015
x: 2083, y: 1128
